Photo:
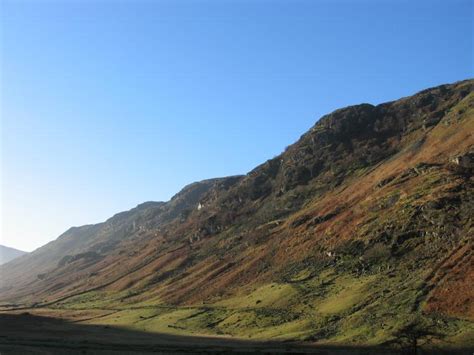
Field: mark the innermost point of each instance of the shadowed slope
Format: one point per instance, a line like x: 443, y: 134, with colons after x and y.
x: 25, y: 333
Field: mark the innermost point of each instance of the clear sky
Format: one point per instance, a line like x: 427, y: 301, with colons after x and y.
x: 107, y: 104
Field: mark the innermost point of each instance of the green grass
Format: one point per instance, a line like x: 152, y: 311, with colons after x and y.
x: 273, y: 295
x: 346, y: 293
x: 332, y: 307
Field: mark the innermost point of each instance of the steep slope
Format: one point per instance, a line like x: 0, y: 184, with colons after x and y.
x: 358, y: 233
x: 7, y: 254
x: 80, y: 251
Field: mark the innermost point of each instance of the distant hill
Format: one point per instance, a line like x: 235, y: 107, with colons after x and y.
x: 359, y: 233
x: 7, y: 254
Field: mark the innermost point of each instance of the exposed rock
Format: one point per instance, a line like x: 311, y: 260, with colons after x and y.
x: 465, y: 160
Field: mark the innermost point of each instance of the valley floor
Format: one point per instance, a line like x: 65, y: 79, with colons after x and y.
x: 53, y: 331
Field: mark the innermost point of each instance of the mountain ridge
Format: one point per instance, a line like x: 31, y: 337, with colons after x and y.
x: 7, y: 254
x: 329, y: 236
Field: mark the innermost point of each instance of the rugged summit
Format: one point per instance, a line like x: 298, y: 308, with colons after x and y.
x: 359, y: 233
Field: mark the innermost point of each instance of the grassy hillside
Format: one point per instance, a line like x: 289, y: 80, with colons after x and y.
x: 360, y: 233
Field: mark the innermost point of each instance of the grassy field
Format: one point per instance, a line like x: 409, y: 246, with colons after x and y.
x: 327, y: 309
x: 73, y: 333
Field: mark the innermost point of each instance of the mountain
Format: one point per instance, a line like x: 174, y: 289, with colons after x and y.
x: 359, y: 233
x: 7, y: 254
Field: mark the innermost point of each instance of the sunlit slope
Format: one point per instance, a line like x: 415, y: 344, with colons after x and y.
x: 359, y: 233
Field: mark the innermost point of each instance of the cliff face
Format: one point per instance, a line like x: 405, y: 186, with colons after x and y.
x: 357, y: 232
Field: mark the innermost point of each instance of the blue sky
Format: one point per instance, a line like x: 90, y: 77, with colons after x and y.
x: 107, y: 104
